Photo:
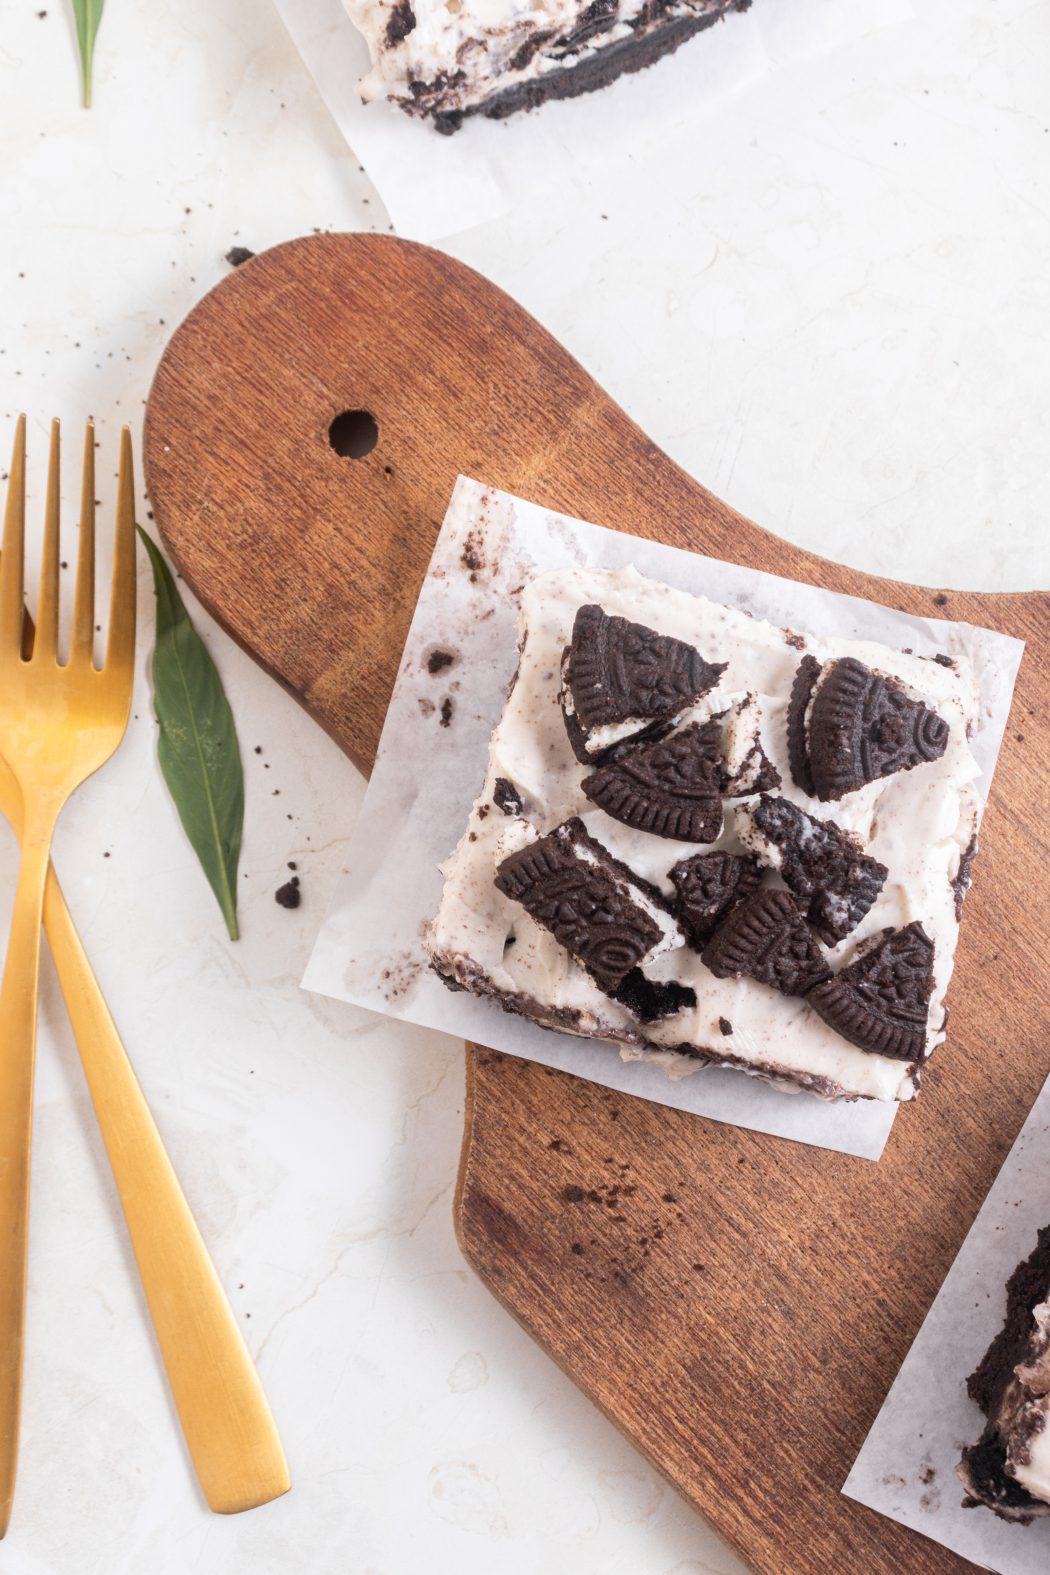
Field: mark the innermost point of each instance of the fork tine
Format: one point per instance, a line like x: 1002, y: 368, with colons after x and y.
x: 120, y: 646
x: 82, y: 644
x: 46, y: 641
x: 12, y: 604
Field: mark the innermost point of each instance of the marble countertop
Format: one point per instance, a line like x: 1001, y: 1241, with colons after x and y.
x: 846, y: 338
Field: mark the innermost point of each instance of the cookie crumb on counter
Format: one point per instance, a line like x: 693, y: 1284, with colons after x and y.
x: 289, y: 895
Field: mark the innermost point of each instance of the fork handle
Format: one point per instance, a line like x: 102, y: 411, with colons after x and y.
x: 229, y: 1430
x: 18, y: 999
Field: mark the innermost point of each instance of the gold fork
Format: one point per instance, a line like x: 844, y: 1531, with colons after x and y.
x: 44, y: 717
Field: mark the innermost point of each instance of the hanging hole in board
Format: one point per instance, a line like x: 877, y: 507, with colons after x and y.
x: 353, y: 434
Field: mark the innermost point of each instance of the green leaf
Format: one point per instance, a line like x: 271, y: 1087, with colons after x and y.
x: 198, y: 751
x: 87, y: 14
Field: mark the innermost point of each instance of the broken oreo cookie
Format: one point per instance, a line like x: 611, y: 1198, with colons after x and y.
x: 854, y: 726
x: 766, y: 937
x: 826, y: 868
x: 804, y: 683
x: 708, y: 884
x: 745, y: 768
x: 651, y: 1000
x: 591, y: 903
x: 621, y: 677
x: 881, y: 1001
x: 668, y: 787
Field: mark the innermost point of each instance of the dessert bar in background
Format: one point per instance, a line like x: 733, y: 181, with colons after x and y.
x: 1008, y: 1469
x: 710, y: 840
x: 443, y: 60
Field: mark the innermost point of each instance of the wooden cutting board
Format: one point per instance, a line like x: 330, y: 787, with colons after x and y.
x: 736, y: 1304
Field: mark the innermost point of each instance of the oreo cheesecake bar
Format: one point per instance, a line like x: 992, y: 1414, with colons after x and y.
x: 442, y: 60
x: 1008, y: 1469
x: 713, y: 841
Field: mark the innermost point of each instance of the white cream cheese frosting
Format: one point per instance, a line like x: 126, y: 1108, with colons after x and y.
x: 442, y: 56
x: 918, y: 823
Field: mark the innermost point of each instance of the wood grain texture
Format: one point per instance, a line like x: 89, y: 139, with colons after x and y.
x: 736, y: 1304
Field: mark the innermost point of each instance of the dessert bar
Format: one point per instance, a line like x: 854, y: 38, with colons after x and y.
x: 713, y: 841
x: 443, y: 60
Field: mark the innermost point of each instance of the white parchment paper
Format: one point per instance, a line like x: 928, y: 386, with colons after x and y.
x: 435, y: 186
x: 427, y: 776
x: 906, y: 1468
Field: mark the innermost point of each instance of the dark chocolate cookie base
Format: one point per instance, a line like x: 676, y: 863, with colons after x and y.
x: 596, y: 71
x: 458, y: 972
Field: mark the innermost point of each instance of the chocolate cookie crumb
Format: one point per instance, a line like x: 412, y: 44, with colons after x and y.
x: 402, y: 22
x: 506, y: 797
x: 446, y: 712
x: 238, y: 255
x: 288, y: 895
x: 437, y: 661
x: 940, y: 600
x: 725, y: 1026
x: 651, y: 1000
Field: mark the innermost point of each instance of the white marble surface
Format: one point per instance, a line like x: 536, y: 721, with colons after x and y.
x: 847, y: 338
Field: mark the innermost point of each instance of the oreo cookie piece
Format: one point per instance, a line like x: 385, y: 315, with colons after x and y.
x: 746, y: 768
x: 652, y: 1000
x: 620, y: 677
x: 881, y: 1002
x: 590, y: 902
x: 669, y: 786
x: 507, y: 797
x: 826, y: 868
x: 802, y: 688
x: 707, y: 885
x: 757, y: 774
x: 863, y: 726
x: 766, y: 937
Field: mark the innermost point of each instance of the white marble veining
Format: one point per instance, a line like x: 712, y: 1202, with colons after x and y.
x: 845, y: 338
